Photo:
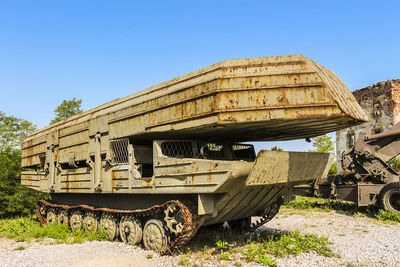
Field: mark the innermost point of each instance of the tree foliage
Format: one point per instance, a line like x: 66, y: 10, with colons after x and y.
x: 13, y: 131
x: 323, y: 144
x: 276, y: 148
x: 15, y: 199
x: 66, y: 109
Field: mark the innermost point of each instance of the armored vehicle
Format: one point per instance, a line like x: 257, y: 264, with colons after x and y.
x: 154, y: 166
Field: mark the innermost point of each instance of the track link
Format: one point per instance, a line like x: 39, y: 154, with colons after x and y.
x: 191, y: 219
x: 270, y: 213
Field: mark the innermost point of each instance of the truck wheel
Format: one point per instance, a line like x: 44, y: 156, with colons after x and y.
x: 390, y: 197
x: 155, y: 236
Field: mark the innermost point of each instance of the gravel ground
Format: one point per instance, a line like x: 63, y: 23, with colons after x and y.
x: 360, y: 241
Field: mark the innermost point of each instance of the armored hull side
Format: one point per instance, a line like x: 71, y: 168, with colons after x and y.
x: 242, y: 190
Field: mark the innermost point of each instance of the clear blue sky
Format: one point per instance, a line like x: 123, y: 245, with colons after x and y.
x: 102, y: 50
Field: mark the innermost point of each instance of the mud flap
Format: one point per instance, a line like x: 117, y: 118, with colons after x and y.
x: 277, y: 167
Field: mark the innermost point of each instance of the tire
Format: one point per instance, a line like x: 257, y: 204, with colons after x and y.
x: 390, y: 197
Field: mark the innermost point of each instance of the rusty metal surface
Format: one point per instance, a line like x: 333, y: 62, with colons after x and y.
x: 276, y: 167
x: 269, y: 98
x: 370, y: 156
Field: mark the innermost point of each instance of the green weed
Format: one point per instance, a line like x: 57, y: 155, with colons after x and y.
x: 22, y: 229
x: 327, y: 205
x: 266, y: 260
x: 319, y: 204
x: 184, y: 261
x: 149, y: 256
x: 258, y: 247
x: 222, y: 245
x: 20, y: 248
x: 384, y: 215
x: 225, y: 255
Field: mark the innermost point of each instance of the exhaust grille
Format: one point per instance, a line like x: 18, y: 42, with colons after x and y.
x: 177, y: 149
x: 120, y: 152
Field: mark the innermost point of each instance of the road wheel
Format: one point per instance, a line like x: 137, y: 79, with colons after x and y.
x: 390, y: 197
x: 109, y: 224
x: 90, y: 221
x: 62, y: 217
x: 155, y: 236
x: 51, y: 216
x: 130, y: 230
x: 76, y: 220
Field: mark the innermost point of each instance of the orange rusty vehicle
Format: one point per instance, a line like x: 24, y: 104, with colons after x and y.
x: 154, y: 166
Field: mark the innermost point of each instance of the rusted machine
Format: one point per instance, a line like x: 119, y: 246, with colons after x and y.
x: 368, y: 177
x: 156, y: 165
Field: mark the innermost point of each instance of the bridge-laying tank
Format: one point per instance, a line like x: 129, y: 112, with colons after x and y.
x: 154, y: 166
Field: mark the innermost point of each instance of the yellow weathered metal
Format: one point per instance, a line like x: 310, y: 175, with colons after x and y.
x: 267, y: 98
x: 276, y: 167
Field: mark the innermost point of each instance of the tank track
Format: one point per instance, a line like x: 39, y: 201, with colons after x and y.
x: 270, y: 213
x: 192, y: 221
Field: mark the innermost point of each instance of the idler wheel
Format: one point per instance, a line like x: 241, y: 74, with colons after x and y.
x: 90, y: 221
x: 155, y: 236
x: 109, y: 224
x: 390, y: 197
x: 51, y: 216
x: 62, y: 217
x: 130, y: 230
x: 76, y: 220
x: 174, y: 218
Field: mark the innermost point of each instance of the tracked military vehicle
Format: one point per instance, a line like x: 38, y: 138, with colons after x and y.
x: 154, y: 166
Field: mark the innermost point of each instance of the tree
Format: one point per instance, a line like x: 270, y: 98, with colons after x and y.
x: 66, y: 109
x: 276, y: 148
x: 15, y: 199
x: 13, y: 131
x: 323, y: 144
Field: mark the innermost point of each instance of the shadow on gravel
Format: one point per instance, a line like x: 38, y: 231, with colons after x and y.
x: 218, y: 240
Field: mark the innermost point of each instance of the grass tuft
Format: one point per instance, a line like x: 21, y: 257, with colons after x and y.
x: 259, y: 247
x: 327, y: 205
x: 20, y: 248
x: 22, y: 229
x: 384, y: 215
x: 320, y: 204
